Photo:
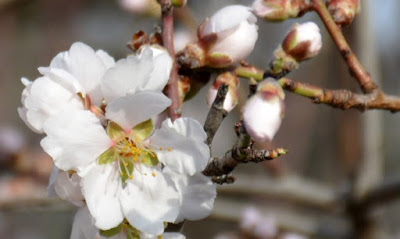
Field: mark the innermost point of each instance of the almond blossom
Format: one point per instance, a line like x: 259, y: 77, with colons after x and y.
x: 102, y: 131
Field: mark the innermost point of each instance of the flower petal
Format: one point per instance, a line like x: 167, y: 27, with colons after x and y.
x: 83, y: 227
x: 44, y: 98
x: 85, y: 65
x: 127, y: 76
x: 185, y: 138
x: 75, y: 138
x: 135, y: 108
x: 161, y: 71
x: 102, y: 188
x: 197, y: 195
x: 66, y: 187
x: 149, y: 200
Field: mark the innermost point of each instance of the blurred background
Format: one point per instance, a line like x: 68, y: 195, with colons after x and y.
x: 332, y: 152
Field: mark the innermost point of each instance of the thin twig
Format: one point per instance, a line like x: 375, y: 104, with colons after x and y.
x: 225, y: 165
x: 343, y: 99
x: 174, y: 111
x: 216, y: 114
x: 357, y: 70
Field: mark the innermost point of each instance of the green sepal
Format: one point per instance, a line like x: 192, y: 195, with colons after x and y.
x: 109, y: 156
x: 143, y: 130
x: 111, y: 232
x: 115, y: 132
x: 132, y: 233
x: 149, y: 159
x: 126, y: 170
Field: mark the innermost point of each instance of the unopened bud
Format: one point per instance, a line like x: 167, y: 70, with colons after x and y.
x: 303, y: 41
x: 178, y: 3
x: 231, y: 99
x: 228, y: 36
x: 263, y: 112
x: 278, y: 10
x: 343, y: 11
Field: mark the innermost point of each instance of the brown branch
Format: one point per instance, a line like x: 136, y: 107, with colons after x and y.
x: 216, y: 114
x: 343, y: 99
x: 174, y: 111
x: 362, y: 76
x: 225, y: 165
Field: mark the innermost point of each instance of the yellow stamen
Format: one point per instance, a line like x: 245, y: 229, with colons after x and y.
x: 169, y: 149
x: 154, y: 174
x: 159, y: 237
x: 161, y: 148
x: 130, y: 176
x: 122, y: 174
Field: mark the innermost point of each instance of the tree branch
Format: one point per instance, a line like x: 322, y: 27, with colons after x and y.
x: 174, y: 111
x: 225, y: 165
x: 361, y: 75
x: 216, y: 114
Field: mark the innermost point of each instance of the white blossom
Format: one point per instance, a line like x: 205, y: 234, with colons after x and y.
x: 121, y: 167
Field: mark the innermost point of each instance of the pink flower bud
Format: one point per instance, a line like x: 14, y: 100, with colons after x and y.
x: 303, y: 41
x: 229, y: 35
x: 231, y: 98
x: 263, y: 112
x: 278, y: 10
x: 343, y: 11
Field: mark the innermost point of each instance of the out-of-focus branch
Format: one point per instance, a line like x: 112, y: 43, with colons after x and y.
x: 225, y: 165
x: 361, y: 75
x: 174, y: 111
x: 216, y: 114
x: 343, y: 99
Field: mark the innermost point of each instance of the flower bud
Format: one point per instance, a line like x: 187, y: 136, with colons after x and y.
x: 343, y: 11
x: 224, y: 39
x: 263, y: 112
x: 303, y: 41
x: 231, y: 99
x: 278, y: 10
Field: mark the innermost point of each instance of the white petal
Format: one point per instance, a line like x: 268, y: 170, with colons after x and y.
x: 135, y: 108
x: 44, y: 98
x: 83, y: 227
x: 63, y: 78
x: 127, y: 76
x: 227, y: 18
x: 239, y: 43
x: 148, y: 200
x: 161, y: 71
x: 85, y: 65
x: 68, y: 187
x: 102, y: 188
x: 75, y: 138
x: 107, y: 60
x: 185, y: 137
x: 262, y: 118
x: 197, y: 195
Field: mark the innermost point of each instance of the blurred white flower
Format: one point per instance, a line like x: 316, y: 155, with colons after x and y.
x: 11, y: 140
x: 263, y: 112
x: 292, y: 236
x: 253, y: 223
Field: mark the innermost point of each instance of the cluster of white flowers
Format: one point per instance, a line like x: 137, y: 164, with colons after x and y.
x: 129, y: 177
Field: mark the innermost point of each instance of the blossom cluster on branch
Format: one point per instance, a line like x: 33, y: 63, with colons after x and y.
x: 131, y: 169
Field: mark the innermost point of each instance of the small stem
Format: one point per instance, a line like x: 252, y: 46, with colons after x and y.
x: 216, y: 114
x: 174, y: 111
x: 362, y: 76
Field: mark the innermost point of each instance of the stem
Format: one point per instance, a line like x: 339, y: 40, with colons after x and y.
x: 362, y: 76
x: 174, y: 111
